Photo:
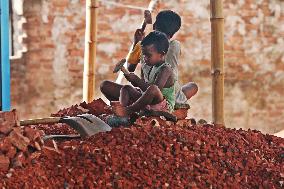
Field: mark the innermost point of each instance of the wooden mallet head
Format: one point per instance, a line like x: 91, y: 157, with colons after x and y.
x: 120, y: 66
x: 148, y: 17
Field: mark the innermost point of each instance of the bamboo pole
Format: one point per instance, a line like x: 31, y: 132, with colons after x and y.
x: 217, y: 58
x: 90, y: 50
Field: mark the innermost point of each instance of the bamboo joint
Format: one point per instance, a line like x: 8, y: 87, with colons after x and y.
x: 217, y: 72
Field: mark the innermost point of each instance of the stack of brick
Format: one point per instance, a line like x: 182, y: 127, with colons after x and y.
x: 17, y: 144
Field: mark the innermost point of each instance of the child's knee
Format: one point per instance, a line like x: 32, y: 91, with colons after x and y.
x: 194, y: 87
x: 104, y: 85
x: 154, y: 91
x: 190, y: 89
x: 126, y: 88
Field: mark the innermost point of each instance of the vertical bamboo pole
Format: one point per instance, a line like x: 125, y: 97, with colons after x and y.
x: 90, y: 50
x: 217, y: 58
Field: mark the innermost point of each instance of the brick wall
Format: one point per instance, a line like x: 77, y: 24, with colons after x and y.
x: 49, y: 75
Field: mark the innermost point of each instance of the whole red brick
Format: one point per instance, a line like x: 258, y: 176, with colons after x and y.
x: 5, y: 144
x: 18, y: 140
x: 4, y: 163
x: 31, y: 134
x: 181, y: 113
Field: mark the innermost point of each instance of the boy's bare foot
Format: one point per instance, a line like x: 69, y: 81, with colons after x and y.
x: 120, y: 110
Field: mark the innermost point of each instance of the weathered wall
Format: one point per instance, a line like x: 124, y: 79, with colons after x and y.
x: 49, y: 76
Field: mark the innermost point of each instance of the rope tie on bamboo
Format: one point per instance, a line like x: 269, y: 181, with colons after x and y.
x: 218, y: 18
x: 93, y: 7
x: 92, y: 41
x: 217, y: 72
x: 90, y: 74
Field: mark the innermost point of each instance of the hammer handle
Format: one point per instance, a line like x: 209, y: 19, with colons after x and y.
x: 37, y: 121
x: 124, y: 70
x: 143, y: 26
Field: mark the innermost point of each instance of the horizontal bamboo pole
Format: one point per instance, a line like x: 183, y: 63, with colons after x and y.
x: 217, y: 58
x: 90, y: 50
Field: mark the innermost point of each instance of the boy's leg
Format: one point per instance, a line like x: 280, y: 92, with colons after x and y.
x: 152, y: 95
x: 128, y: 95
x: 189, y: 89
x: 111, y: 90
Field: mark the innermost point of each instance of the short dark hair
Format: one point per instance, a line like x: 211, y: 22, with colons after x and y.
x: 168, y: 22
x: 158, y: 39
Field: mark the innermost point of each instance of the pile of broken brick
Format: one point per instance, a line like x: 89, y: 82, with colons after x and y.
x: 16, y: 143
x: 150, y: 153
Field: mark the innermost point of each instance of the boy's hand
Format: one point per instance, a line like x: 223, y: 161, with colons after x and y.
x: 136, y: 81
x: 138, y: 36
x: 131, y: 77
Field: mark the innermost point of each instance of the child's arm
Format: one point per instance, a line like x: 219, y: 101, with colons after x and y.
x: 138, y: 36
x: 165, y: 78
x: 133, y: 58
x: 136, y: 81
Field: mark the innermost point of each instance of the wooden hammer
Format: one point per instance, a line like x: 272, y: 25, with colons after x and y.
x: 120, y: 64
x: 147, y: 19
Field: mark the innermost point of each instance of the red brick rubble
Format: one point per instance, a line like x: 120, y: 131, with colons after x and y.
x: 152, y: 153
